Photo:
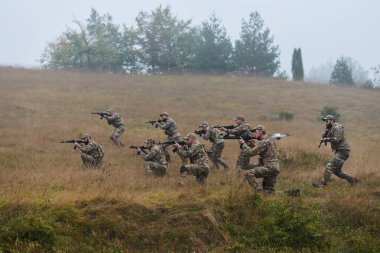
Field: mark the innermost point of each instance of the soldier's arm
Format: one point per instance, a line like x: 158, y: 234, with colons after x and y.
x: 149, y: 156
x: 239, y: 130
x: 183, y: 151
x: 255, y: 150
x: 336, y: 135
x: 207, y: 135
x: 87, y: 148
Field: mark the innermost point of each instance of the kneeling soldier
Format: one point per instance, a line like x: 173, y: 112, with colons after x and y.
x: 91, y: 153
x: 195, y: 151
x: 155, y: 164
x: 268, y: 168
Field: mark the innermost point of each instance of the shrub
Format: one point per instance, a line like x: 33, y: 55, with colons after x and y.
x: 285, y: 115
x: 368, y: 85
x: 330, y: 110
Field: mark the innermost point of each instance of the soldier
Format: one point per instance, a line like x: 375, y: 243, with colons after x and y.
x: 92, y: 153
x: 243, y: 129
x: 268, y: 167
x: 113, y: 118
x: 195, y: 151
x: 335, y: 135
x: 170, y: 128
x: 215, y: 152
x: 155, y: 164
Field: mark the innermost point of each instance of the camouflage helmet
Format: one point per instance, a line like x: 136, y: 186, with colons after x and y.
x: 189, y: 135
x: 260, y: 127
x: 240, y: 117
x: 203, y: 124
x: 111, y: 110
x: 328, y: 117
x: 164, y: 114
x: 150, y: 141
x: 86, y: 136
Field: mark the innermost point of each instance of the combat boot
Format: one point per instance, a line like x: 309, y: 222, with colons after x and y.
x: 354, y: 181
x: 319, y: 184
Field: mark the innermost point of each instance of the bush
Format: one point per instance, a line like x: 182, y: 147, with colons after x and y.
x: 368, y: 85
x: 330, y: 110
x: 285, y: 115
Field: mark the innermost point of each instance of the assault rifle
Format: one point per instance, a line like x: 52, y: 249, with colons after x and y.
x: 77, y: 141
x: 236, y: 137
x: 226, y: 127
x: 324, y: 135
x: 200, y: 132
x: 136, y: 147
x: 182, y: 143
x: 101, y: 114
x: 153, y: 122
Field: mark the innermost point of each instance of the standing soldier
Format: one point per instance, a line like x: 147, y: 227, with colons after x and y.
x: 215, y: 137
x: 242, y: 129
x: 335, y: 135
x: 170, y: 128
x: 91, y: 153
x: 113, y: 118
x: 195, y: 151
x: 268, y: 167
x: 155, y: 164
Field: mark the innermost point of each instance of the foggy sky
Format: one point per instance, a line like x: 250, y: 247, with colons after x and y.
x: 323, y: 29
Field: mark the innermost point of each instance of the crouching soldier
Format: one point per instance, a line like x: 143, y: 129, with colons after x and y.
x: 195, y: 151
x: 91, y: 152
x: 113, y: 118
x: 268, y: 167
x: 155, y: 164
x: 216, y: 138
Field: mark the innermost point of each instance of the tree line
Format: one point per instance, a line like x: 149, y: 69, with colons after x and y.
x: 163, y: 43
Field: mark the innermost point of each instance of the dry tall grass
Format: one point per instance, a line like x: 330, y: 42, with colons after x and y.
x: 39, y: 108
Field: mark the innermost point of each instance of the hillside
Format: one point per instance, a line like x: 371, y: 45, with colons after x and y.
x: 48, y: 202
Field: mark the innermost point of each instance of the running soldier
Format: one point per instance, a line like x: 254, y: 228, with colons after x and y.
x: 169, y: 126
x: 91, y: 153
x: 335, y: 135
x: 155, y: 164
x: 242, y: 129
x: 216, y: 138
x: 113, y: 118
x: 268, y: 167
x: 198, y: 166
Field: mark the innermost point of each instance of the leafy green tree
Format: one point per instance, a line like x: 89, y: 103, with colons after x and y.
x: 159, y: 33
x: 214, y: 48
x: 255, y: 52
x: 342, y: 73
x: 297, y: 65
x: 98, y: 45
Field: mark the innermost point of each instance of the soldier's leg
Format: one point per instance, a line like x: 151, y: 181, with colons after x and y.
x: 147, y: 169
x: 339, y: 160
x: 257, y: 172
x: 242, y: 162
x: 165, y: 148
x: 199, y: 171
x: 88, y: 161
x: 218, y: 154
x: 212, y: 156
x: 116, y: 134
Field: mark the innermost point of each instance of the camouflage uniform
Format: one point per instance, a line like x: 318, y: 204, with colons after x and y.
x: 215, y: 152
x: 341, y: 150
x: 198, y: 166
x: 116, y: 121
x: 92, y: 154
x: 242, y: 130
x: 170, y: 128
x: 155, y: 164
x: 268, y: 167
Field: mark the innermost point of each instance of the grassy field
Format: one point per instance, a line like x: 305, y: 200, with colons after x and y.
x: 49, y: 203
